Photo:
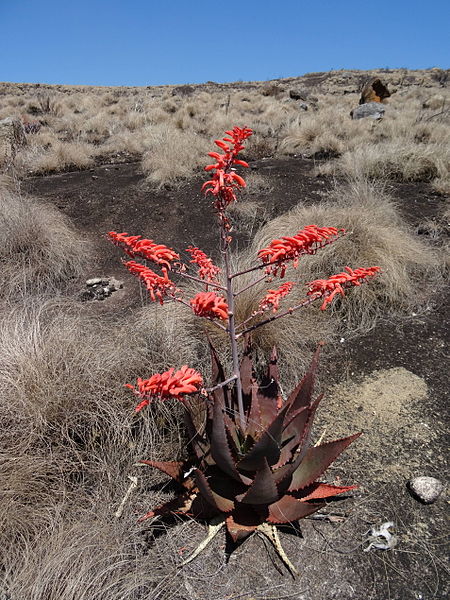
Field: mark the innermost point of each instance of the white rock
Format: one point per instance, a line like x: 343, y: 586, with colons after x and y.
x: 426, y: 489
x: 94, y: 281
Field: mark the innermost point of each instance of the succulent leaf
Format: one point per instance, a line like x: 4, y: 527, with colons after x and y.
x: 316, y: 461
x: 254, y: 416
x: 319, y: 491
x: 243, y: 521
x: 217, y: 370
x: 267, y: 447
x: 220, y: 450
x: 288, y: 509
x: 263, y: 489
x: 219, y: 502
x: 173, y: 469
x: 182, y: 503
x: 302, y: 394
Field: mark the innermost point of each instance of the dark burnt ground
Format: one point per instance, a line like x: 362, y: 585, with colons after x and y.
x: 408, y: 443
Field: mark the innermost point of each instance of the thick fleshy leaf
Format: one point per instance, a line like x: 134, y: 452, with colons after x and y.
x: 242, y: 522
x: 267, y: 447
x: 263, y: 489
x: 220, y: 450
x: 300, y: 431
x: 268, y: 392
x: 316, y: 460
x: 217, y: 371
x: 302, y: 394
x: 174, y: 469
x: 233, y: 434
x: 319, y: 491
x: 254, y: 427
x: 196, y: 441
x: 288, y: 510
x: 180, y: 504
x: 217, y: 501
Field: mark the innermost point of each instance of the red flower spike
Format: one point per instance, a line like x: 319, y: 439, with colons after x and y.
x: 207, y: 270
x: 169, y: 384
x: 329, y: 288
x: 273, y: 297
x: 209, y: 304
x: 157, y: 286
x: 223, y: 182
x: 306, y: 241
x: 135, y: 245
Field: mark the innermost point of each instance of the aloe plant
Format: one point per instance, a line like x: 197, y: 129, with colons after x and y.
x: 252, y: 465
x: 259, y: 477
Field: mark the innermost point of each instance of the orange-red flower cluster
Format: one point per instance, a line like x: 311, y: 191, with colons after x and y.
x: 209, y: 304
x: 328, y: 288
x: 224, y: 181
x: 136, y: 245
x: 273, y: 297
x: 167, y: 385
x: 206, y: 269
x: 157, y: 286
x: 306, y: 241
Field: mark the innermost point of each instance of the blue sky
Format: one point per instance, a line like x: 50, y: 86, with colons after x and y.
x: 138, y: 42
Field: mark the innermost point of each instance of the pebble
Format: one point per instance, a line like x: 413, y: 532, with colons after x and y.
x: 425, y: 489
x: 93, y: 281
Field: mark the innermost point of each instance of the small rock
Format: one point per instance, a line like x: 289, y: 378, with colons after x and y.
x: 93, y: 281
x: 298, y: 94
x: 425, y: 489
x: 303, y: 106
x: 107, y: 291
x: 118, y: 285
x: 183, y: 90
x: 86, y: 295
x: 105, y: 282
x: 373, y: 110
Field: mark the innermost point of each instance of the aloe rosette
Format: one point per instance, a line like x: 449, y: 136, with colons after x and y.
x: 267, y: 473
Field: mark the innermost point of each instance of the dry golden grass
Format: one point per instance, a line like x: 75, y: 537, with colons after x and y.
x: 70, y: 437
x: 81, y: 124
x: 41, y: 252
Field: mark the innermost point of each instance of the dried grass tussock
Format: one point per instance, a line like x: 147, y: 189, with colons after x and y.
x: 377, y: 235
x: 70, y: 437
x: 41, y: 252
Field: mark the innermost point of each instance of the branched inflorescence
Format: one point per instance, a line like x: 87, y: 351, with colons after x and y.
x: 329, y: 288
x: 307, y: 241
x: 170, y: 384
x: 207, y: 270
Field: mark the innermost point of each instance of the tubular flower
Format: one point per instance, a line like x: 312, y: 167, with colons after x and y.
x: 135, y: 245
x: 306, y: 241
x: 157, y: 286
x: 273, y: 297
x: 167, y: 385
x: 207, y: 270
x: 209, y: 304
x: 328, y: 288
x: 224, y: 181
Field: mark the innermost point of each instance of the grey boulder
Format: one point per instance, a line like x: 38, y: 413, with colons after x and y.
x: 373, y: 110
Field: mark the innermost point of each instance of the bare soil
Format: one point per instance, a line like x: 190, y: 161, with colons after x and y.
x: 391, y: 384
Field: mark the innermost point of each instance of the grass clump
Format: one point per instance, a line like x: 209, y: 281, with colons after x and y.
x: 41, y: 252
